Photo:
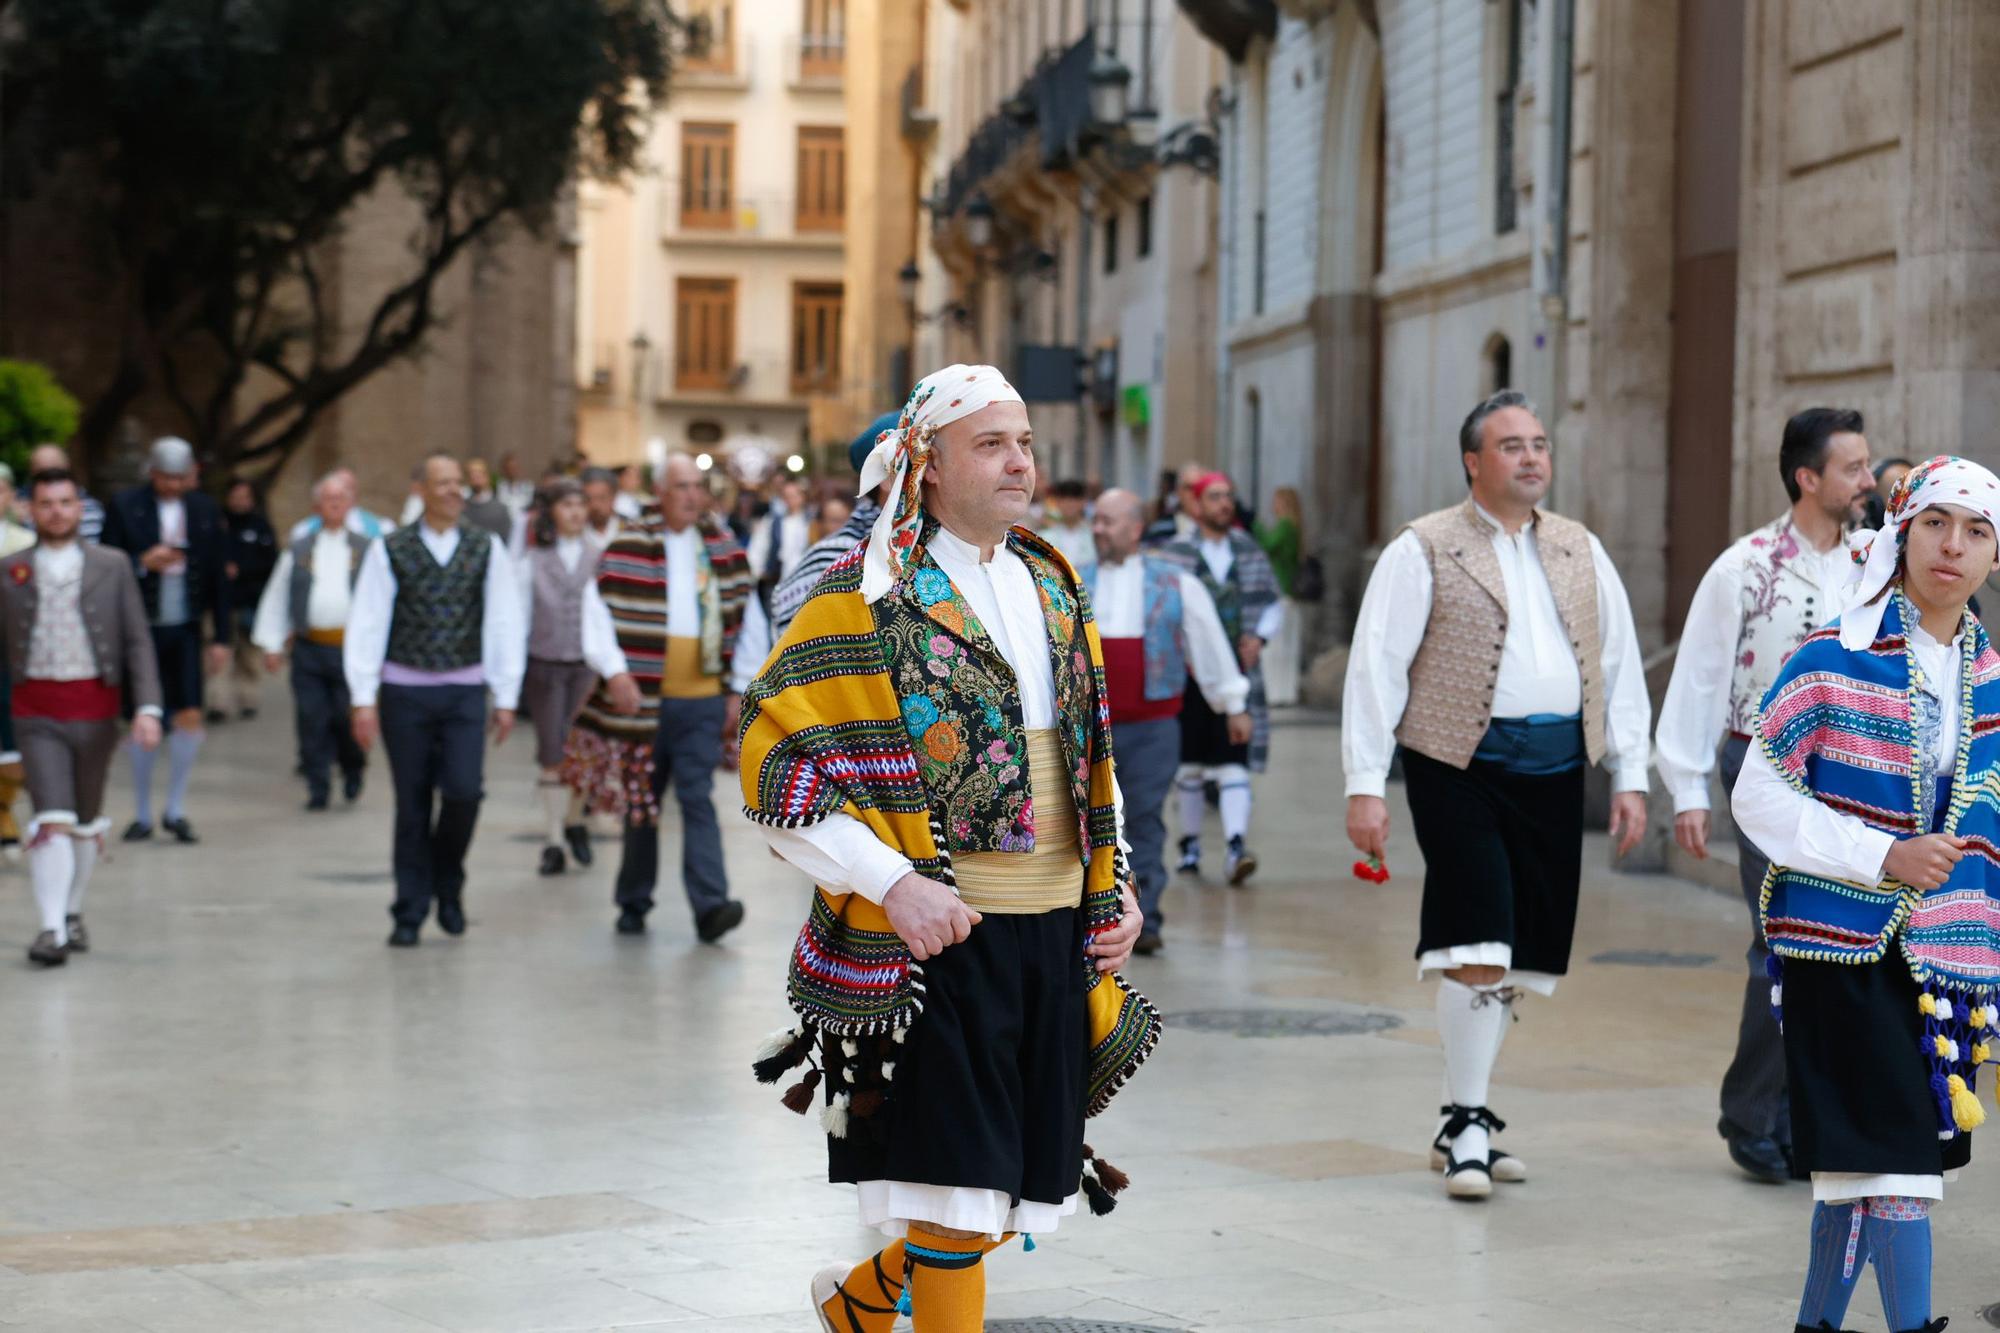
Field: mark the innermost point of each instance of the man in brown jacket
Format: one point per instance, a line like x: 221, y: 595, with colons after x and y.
x: 1496, y: 647
x: 74, y: 633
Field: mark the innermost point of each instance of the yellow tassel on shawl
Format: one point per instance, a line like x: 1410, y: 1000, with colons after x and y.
x: 1981, y: 1052
x: 1946, y: 1048
x: 1926, y: 1005
x: 1966, y: 1112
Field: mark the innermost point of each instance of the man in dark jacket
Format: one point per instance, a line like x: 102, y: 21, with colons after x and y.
x: 179, y: 547
x: 253, y: 551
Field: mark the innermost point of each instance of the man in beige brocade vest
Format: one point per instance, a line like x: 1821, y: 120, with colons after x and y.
x: 1495, y: 646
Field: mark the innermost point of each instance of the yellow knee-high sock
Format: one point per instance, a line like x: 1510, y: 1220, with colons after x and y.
x: 866, y: 1301
x: 948, y: 1281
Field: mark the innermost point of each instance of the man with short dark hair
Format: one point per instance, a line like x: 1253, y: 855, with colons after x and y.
x: 435, y: 622
x: 600, y: 504
x: 179, y: 546
x: 1495, y: 646
x: 54, y: 458
x: 74, y: 635
x: 1754, y: 607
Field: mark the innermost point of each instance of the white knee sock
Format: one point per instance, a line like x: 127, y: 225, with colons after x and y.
x: 1188, y: 784
x: 51, y: 867
x: 555, y: 804
x: 142, y: 782
x: 1234, y: 781
x: 85, y: 846
x: 1472, y: 1022
x: 182, y: 746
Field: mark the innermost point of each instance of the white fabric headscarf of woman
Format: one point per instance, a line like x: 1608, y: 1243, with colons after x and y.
x: 1944, y: 480
x: 902, y: 454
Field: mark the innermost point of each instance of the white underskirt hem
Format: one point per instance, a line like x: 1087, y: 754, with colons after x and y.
x: 1843, y: 1186
x: 1491, y: 954
x: 891, y: 1205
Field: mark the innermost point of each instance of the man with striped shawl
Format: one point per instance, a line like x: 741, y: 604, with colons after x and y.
x: 1237, y: 575
x: 931, y: 743
x: 678, y: 587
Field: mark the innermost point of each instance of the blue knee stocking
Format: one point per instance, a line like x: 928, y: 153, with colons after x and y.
x: 1839, y: 1252
x: 1898, y: 1236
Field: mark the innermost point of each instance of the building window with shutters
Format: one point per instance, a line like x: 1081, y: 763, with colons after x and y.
x: 815, y: 337
x: 1111, y: 244
x: 704, y: 332
x: 720, y: 55
x: 822, y: 178
x: 708, y: 176
x: 823, y: 39
x: 1142, y: 242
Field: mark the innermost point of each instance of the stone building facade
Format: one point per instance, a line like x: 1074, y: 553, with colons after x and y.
x: 1673, y: 223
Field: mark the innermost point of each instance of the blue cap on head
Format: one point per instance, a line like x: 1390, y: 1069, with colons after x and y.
x: 864, y: 443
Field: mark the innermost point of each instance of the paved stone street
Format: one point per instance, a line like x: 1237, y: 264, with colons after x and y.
x: 242, y: 1112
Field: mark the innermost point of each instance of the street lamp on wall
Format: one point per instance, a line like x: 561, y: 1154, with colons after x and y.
x: 1110, y: 83
x: 907, y: 278
x: 979, y: 222
x: 641, y: 344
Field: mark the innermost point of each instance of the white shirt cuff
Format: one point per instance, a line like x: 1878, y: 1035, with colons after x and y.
x: 1630, y: 777
x: 876, y: 870
x: 1872, y: 848
x: 1691, y: 799
x: 151, y: 710
x: 1367, y: 784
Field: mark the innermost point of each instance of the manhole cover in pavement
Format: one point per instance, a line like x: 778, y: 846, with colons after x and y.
x: 1652, y: 958
x: 1991, y: 1314
x: 1284, y: 1022
x: 1070, y: 1326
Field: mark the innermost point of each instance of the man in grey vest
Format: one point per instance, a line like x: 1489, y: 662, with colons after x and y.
x: 436, y: 623
x: 304, y: 611
x: 1495, y: 646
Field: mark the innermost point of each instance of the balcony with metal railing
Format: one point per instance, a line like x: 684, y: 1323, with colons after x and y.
x: 816, y: 62
x: 724, y: 67
x: 767, y: 220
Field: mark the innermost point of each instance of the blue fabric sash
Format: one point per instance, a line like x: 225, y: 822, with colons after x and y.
x: 1534, y: 746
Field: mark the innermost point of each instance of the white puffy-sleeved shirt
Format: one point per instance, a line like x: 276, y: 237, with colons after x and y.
x: 1118, y: 601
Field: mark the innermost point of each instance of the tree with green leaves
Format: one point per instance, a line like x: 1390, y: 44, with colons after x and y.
x: 34, y: 409
x: 227, y: 143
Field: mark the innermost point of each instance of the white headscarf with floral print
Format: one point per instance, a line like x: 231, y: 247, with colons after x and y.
x: 941, y: 398
x: 1944, y: 480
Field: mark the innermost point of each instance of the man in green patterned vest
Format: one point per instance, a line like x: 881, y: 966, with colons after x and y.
x: 931, y: 744
x: 436, y: 623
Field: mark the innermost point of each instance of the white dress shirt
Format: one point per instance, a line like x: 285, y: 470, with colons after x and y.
x: 1538, y: 672
x: 327, y: 600
x: 1696, y: 709
x: 359, y: 522
x: 840, y: 853
x: 1802, y: 833
x: 503, y: 633
x: 1118, y: 600
x: 601, y: 652
x: 1220, y: 557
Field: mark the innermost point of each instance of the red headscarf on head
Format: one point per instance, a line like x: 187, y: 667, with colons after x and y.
x: 1206, y: 480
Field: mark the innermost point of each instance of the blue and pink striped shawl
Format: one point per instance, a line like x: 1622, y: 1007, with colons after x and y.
x: 1837, y: 726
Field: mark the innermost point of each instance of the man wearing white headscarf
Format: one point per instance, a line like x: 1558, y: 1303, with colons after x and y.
x: 1870, y: 788
x: 930, y: 743
x: 1753, y: 608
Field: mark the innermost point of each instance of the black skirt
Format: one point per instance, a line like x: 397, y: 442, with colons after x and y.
x: 1860, y: 1082
x: 1502, y: 856
x: 1205, y: 733
x: 989, y: 1086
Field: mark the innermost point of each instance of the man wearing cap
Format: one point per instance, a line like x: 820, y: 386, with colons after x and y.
x: 797, y: 584
x: 1238, y: 577
x: 179, y: 547
x: 1495, y: 645
x: 931, y: 744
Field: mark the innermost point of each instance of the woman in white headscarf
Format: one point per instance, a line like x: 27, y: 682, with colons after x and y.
x: 1873, y: 788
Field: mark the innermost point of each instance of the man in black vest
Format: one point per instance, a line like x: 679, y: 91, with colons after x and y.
x: 179, y: 548
x: 436, y: 622
x: 304, y: 611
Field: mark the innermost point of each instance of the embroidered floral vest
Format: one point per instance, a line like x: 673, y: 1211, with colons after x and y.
x: 1779, y: 607
x: 962, y: 705
x: 1166, y: 658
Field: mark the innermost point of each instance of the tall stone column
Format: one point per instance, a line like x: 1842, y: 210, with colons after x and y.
x: 1948, y: 280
